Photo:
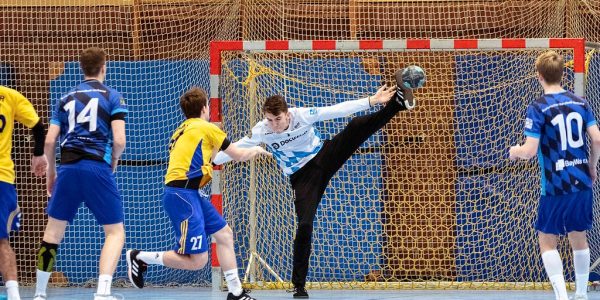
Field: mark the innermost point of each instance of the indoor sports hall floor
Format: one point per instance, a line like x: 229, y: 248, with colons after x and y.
x: 172, y: 293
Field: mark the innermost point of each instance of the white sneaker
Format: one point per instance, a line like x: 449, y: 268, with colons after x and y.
x: 40, y: 297
x: 108, y: 297
x: 579, y: 297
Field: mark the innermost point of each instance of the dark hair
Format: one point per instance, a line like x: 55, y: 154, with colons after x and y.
x: 192, y: 102
x: 91, y: 61
x: 551, y: 66
x: 275, y: 105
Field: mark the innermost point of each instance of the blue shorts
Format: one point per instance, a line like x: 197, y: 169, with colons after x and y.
x: 193, y: 218
x: 91, y: 182
x: 10, y: 214
x: 565, y: 213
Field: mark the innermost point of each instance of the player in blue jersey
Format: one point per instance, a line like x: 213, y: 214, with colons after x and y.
x: 90, y: 120
x: 310, y: 163
x: 15, y: 107
x: 555, y: 129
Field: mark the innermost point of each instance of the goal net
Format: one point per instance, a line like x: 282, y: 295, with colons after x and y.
x: 159, y: 48
x: 431, y: 199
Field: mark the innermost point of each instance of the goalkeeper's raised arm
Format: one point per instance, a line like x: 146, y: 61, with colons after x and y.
x: 285, y: 130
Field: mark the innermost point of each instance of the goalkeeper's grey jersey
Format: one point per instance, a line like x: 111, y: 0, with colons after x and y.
x: 300, y: 142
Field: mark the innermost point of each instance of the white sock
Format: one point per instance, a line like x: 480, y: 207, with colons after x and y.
x: 104, y: 283
x: 151, y: 258
x: 233, y: 282
x: 581, y: 262
x: 41, y: 280
x: 554, y: 269
x: 12, y: 290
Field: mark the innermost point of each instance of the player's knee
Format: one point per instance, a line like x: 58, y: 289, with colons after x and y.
x: 52, y: 237
x: 304, y: 232
x: 578, y: 240
x: 198, y: 261
x: 5, y: 248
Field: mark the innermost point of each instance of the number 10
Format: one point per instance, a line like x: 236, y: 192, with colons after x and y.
x: 566, y: 132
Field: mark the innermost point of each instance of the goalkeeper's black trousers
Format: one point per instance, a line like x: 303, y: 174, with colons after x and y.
x: 310, y: 181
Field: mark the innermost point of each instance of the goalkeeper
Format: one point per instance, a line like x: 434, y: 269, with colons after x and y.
x: 309, y: 162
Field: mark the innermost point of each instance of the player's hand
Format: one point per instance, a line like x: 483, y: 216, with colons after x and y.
x: 593, y: 172
x: 261, y: 151
x: 512, y: 153
x: 383, y: 95
x: 39, y: 165
x: 50, y: 179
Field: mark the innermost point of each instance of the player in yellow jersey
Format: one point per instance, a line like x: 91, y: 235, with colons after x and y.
x: 191, y: 148
x: 15, y: 107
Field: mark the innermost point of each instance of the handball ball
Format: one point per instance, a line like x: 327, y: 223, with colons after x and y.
x: 412, y: 77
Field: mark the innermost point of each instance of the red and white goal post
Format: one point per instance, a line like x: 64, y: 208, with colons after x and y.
x: 400, y: 222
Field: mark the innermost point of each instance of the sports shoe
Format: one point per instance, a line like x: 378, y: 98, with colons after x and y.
x: 299, y: 292
x: 135, y: 268
x: 405, y: 97
x: 243, y: 296
x: 40, y: 297
x: 108, y: 297
x: 579, y: 297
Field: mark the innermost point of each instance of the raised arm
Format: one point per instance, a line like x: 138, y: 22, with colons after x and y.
x: 316, y: 114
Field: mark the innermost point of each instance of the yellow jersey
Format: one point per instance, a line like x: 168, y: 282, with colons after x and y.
x: 191, y: 149
x: 13, y: 107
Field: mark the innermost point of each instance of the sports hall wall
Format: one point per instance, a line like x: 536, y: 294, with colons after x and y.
x: 158, y: 48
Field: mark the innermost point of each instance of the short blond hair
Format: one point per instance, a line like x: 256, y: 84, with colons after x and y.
x: 550, y: 65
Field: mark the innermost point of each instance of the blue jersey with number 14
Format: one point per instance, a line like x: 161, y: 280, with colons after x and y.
x: 560, y: 121
x: 84, y: 116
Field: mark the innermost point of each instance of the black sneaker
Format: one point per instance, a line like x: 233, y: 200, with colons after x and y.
x: 243, y: 296
x: 135, y: 268
x: 404, y: 96
x: 299, y: 293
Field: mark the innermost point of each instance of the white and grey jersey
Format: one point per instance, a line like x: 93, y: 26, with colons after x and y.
x: 301, y: 141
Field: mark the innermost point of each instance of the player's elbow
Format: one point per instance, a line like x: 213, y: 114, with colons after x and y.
x: 596, y: 142
x: 119, y: 142
x: 49, y: 144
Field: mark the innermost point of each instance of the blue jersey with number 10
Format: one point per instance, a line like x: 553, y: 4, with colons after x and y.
x: 84, y: 116
x: 560, y: 121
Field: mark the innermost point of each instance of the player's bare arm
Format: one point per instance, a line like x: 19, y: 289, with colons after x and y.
x: 50, y: 152
x: 244, y: 154
x: 594, y: 135
x: 525, y: 151
x: 119, y: 141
